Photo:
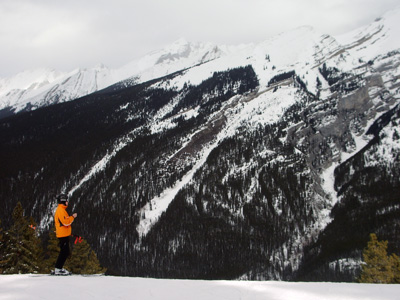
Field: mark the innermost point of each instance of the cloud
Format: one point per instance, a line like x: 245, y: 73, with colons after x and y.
x: 69, y: 34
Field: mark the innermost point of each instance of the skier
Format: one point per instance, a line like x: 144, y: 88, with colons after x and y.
x: 63, y: 223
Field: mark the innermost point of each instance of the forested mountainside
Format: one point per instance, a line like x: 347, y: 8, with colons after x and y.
x: 257, y: 167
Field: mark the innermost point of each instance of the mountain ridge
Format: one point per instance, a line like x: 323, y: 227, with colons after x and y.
x: 25, y: 92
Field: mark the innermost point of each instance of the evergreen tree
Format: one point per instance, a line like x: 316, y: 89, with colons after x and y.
x: 379, y: 267
x: 52, y: 252
x: 22, y: 251
x: 83, y: 259
x: 34, y: 245
x: 77, y: 261
x: 93, y: 265
x: 395, y: 267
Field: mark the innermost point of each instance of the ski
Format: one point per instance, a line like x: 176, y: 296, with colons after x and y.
x: 66, y: 273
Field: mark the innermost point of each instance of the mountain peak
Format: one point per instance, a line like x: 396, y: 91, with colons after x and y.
x: 27, y: 78
x: 175, y: 51
x: 180, y: 42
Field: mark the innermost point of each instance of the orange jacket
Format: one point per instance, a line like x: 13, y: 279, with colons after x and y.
x: 63, y: 221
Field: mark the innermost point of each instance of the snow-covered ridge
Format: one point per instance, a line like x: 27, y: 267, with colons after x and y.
x: 383, y: 34
x: 44, y: 87
x: 284, y: 52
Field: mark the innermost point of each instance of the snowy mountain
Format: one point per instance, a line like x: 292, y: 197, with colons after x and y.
x: 266, y: 161
x: 32, y: 89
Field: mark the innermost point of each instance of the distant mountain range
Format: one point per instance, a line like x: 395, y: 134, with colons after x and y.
x: 267, y: 161
x: 42, y: 87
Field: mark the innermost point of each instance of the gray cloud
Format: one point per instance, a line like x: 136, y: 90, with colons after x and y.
x: 68, y: 34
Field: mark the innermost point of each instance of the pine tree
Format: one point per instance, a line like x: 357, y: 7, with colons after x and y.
x: 395, y: 267
x: 52, y: 252
x: 379, y: 267
x: 83, y: 260
x: 77, y: 261
x: 22, y: 246
x: 93, y: 265
x: 34, y: 245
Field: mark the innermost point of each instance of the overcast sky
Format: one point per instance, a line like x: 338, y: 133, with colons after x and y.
x: 67, y: 34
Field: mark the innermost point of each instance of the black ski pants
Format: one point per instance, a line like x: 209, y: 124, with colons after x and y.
x: 64, y: 252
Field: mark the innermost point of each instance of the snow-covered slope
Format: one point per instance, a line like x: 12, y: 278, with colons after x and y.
x: 370, y: 41
x: 21, y: 287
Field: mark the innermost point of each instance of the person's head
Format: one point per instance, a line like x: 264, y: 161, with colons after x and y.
x: 62, y: 199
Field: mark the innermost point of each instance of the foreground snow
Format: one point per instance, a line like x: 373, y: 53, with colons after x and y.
x: 34, y: 287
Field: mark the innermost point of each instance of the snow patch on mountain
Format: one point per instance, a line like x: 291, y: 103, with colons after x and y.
x: 153, y: 210
x: 386, y: 153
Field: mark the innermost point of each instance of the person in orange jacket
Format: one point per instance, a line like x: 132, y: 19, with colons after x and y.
x: 63, y: 223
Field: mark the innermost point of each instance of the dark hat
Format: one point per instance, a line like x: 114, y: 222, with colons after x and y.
x: 62, y: 198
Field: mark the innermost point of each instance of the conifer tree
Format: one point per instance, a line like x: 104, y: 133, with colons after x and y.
x: 34, y: 245
x: 83, y: 260
x: 93, y: 265
x: 22, y: 251
x: 52, y: 252
x: 77, y: 261
x: 395, y: 261
x: 379, y: 267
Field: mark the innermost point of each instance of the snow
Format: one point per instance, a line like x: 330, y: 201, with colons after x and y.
x: 153, y: 210
x: 328, y: 181
x: 35, y: 287
x: 266, y: 108
x: 29, y: 79
x: 372, y: 41
x: 99, y: 166
x: 386, y: 153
